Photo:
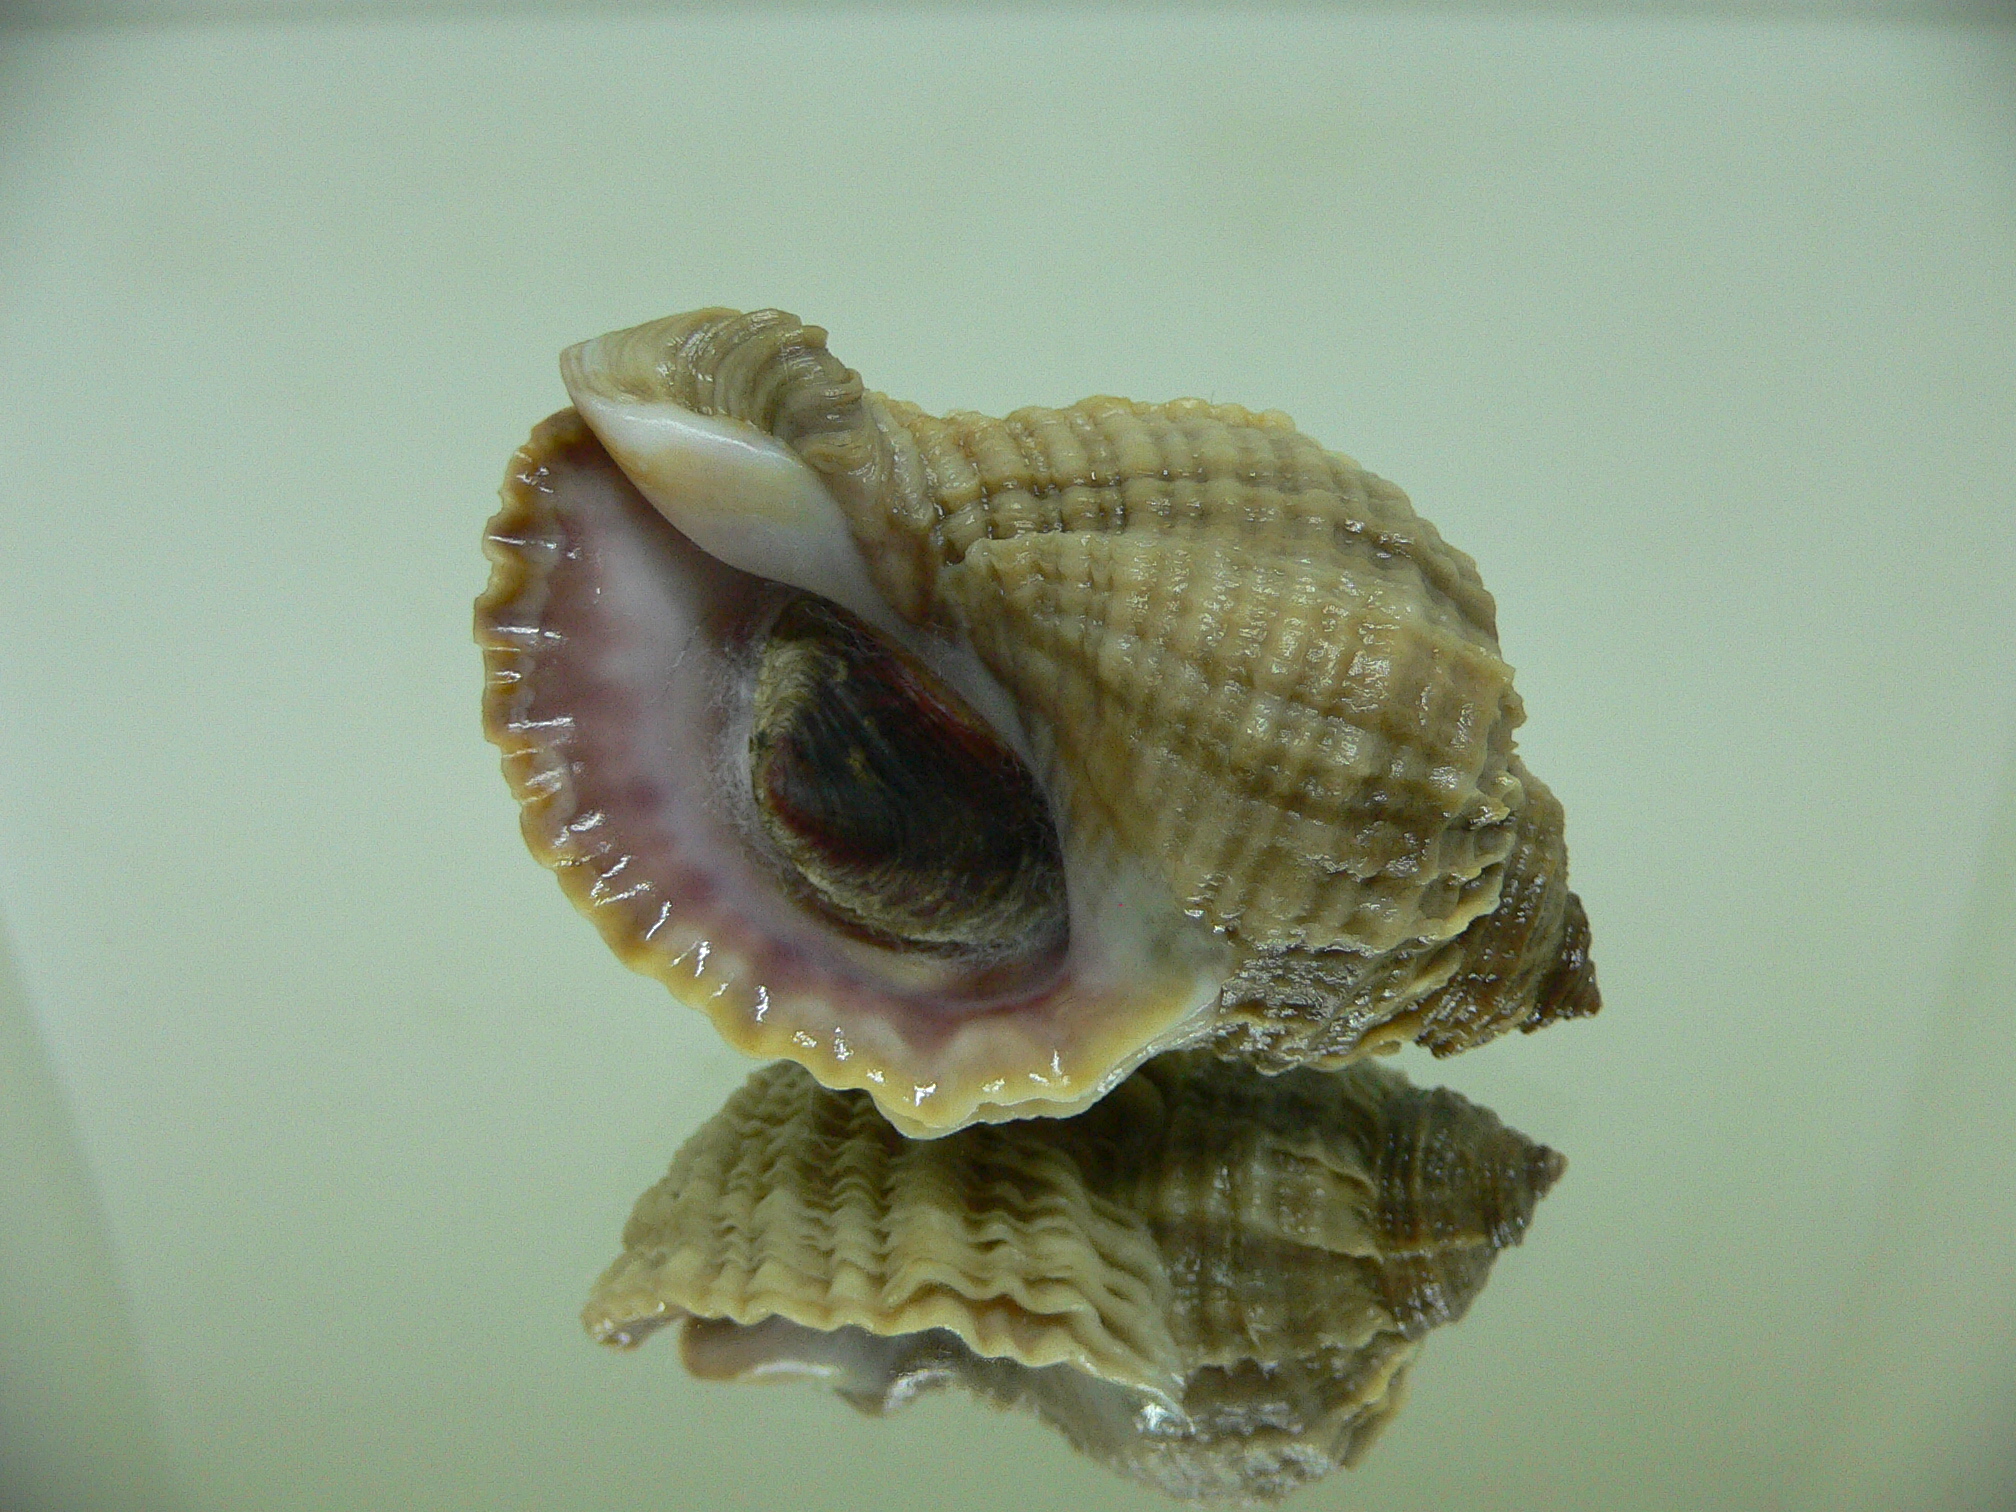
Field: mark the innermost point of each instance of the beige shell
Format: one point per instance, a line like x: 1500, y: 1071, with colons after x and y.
x: 1215, y: 1281
x: 1263, y: 699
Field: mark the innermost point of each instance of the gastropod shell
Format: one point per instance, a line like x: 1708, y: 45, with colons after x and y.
x: 971, y: 762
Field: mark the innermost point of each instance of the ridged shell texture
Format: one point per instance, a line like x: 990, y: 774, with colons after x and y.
x: 1262, y: 700
x: 1215, y: 1281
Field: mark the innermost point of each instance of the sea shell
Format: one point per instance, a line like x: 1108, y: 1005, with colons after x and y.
x: 970, y: 762
x: 1214, y: 1281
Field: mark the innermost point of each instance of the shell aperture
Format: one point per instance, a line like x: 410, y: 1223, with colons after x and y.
x: 624, y: 672
x: 1228, y: 721
x: 891, y: 801
x: 1214, y: 1281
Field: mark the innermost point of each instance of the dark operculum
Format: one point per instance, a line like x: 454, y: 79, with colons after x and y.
x: 894, y: 810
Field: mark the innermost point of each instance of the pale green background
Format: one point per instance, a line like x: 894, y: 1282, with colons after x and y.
x: 321, y: 1108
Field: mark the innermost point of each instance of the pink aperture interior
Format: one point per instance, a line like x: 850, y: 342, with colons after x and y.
x: 638, y: 684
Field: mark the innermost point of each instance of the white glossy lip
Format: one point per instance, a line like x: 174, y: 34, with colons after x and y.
x: 747, y: 499
x: 741, y: 496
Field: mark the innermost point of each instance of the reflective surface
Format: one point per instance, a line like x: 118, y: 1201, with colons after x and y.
x: 1694, y: 334
x: 1215, y: 1282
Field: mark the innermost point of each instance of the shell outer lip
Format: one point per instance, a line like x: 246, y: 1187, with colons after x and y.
x: 1045, y: 1079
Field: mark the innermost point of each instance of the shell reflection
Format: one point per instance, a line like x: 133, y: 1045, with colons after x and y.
x: 1214, y: 1281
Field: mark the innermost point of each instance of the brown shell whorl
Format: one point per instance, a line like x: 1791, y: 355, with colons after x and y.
x: 1185, y: 467
x: 1526, y: 963
x: 1521, y: 966
x: 1247, y: 657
